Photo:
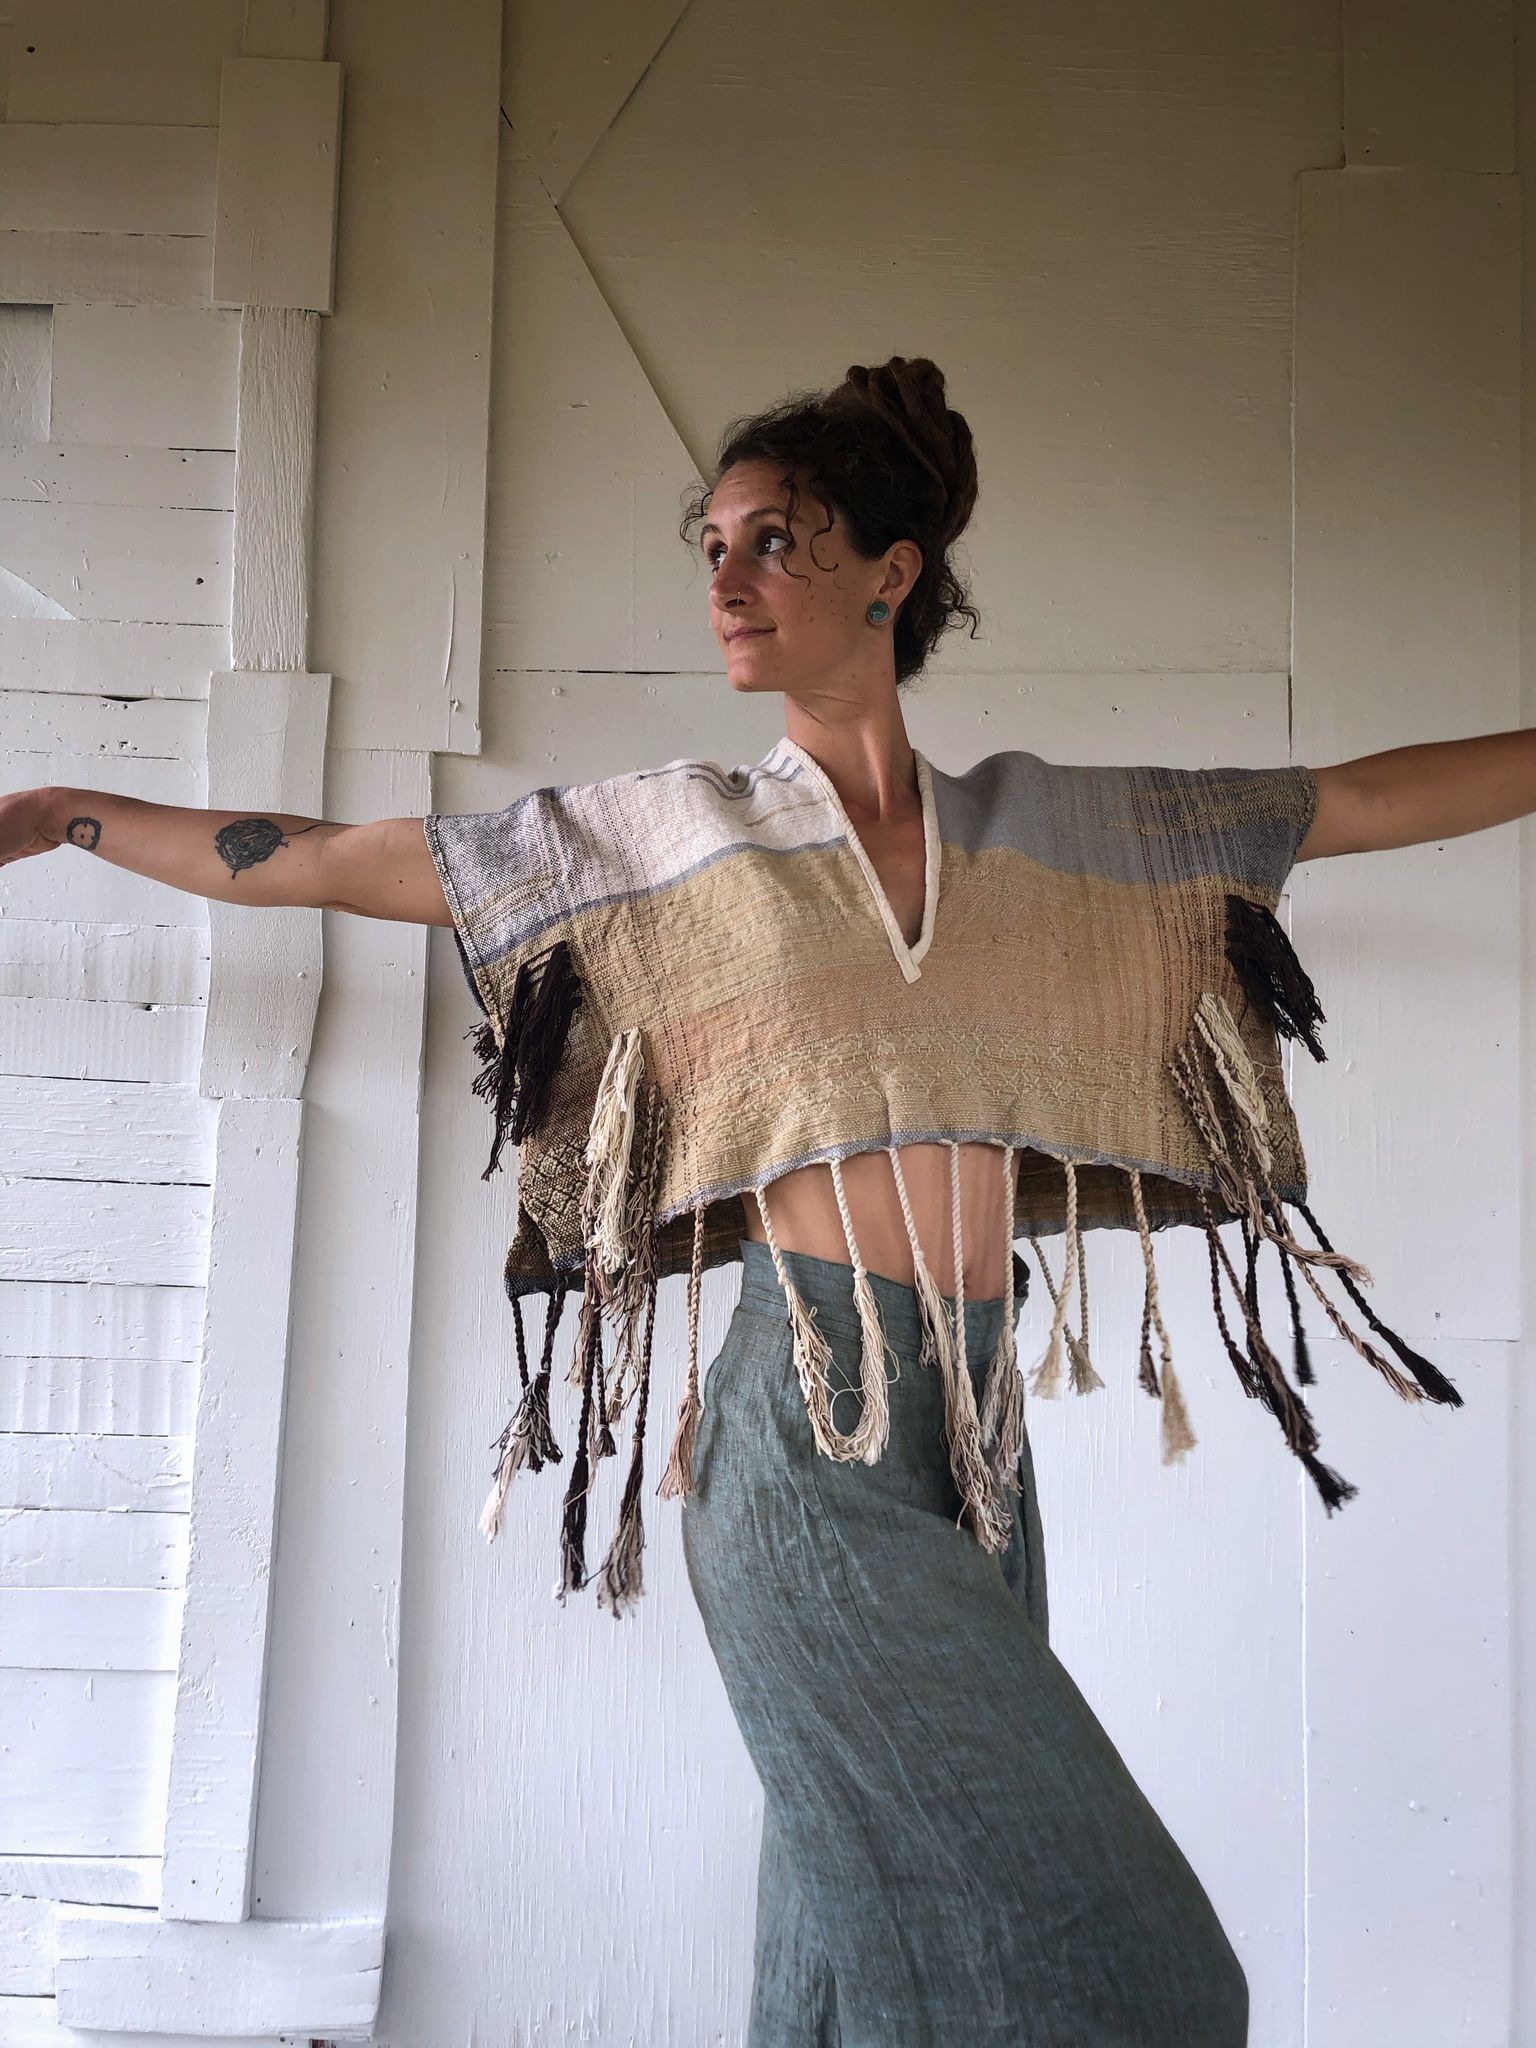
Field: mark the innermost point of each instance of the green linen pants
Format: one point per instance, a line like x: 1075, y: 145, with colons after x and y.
x: 954, y: 1853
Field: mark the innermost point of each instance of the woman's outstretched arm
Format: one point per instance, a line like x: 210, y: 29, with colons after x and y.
x: 1436, y: 790
x: 379, y: 869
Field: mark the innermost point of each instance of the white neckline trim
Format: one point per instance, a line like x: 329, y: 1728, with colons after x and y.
x: 908, y: 958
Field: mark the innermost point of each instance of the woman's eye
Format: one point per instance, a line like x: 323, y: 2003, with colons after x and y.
x: 712, y: 554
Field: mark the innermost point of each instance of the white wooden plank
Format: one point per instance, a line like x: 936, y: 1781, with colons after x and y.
x: 564, y: 76
x: 61, y: 473
x: 120, y: 60
x: 27, y: 1953
x: 121, y: 561
x: 285, y: 28
x: 211, y: 1812
x: 1408, y: 588
x: 119, y: 727
x: 88, y: 1880
x: 401, y: 524
x: 52, y: 1720
x: 26, y: 344
x: 45, y: 1319
x: 118, y: 1968
x: 154, y: 1236
x: 106, y: 1130
x: 587, y: 409
x: 111, y: 657
x: 328, y: 1779
x: 138, y: 1472
x: 272, y: 601
x: 109, y: 1396
x: 88, y: 1629
x: 158, y: 377
x: 266, y: 747
x: 102, y: 1041
x: 279, y: 161
x: 101, y: 962
x: 34, y: 2023
x: 54, y: 269
x: 107, y: 178
x: 62, y: 1547
x: 1428, y: 85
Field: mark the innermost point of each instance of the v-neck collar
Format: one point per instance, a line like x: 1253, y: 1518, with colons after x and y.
x: 908, y: 958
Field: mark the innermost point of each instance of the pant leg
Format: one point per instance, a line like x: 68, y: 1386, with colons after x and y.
x: 978, y: 1859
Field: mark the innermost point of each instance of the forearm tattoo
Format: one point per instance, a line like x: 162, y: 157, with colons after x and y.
x: 249, y: 840
x: 84, y: 832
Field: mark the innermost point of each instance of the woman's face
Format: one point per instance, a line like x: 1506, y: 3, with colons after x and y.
x: 798, y: 624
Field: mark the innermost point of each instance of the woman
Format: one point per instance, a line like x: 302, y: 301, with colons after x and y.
x: 699, y: 984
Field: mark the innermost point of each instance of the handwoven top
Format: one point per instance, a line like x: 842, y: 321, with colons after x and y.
x: 1073, y: 917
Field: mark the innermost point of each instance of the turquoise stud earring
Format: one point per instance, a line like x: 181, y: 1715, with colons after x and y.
x: 878, y: 612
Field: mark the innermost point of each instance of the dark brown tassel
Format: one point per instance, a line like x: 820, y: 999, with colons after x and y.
x: 517, y: 1076
x: 1300, y: 1355
x: 1273, y: 979
x: 606, y: 1446
x: 1430, y: 1378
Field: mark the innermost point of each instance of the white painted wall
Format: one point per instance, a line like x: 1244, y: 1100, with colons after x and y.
x: 1231, y: 300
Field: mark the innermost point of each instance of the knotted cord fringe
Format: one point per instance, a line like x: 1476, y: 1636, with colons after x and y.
x: 610, y: 1138
x: 620, y: 1577
x: 812, y: 1355
x: 1177, y: 1435
x: 986, y: 1506
x: 1002, y: 1407
x: 678, y: 1477
x: 527, y: 1438
x: 573, y: 1516
x: 933, y: 1317
x: 874, y: 1383
x: 1045, y: 1379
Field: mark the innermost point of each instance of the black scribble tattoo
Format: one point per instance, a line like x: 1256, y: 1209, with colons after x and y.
x: 249, y: 840
x: 84, y: 832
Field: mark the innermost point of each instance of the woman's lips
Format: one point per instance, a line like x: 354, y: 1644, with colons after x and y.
x: 748, y: 632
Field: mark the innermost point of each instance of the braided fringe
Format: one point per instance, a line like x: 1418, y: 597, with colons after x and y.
x: 1240, y: 1156
x: 678, y: 1477
x: 1263, y: 1377
x: 573, y: 1516
x: 610, y: 1139
x: 813, y: 1356
x: 1178, y: 1437
x: 621, y: 1579
x: 527, y: 1438
x: 1002, y: 1406
x: 987, y: 1508
x: 933, y: 1317
x: 874, y: 1426
x: 1045, y: 1379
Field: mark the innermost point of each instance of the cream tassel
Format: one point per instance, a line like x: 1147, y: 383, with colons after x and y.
x: 1084, y: 1377
x: 678, y: 1477
x: 1177, y: 1435
x: 1045, y: 1379
x: 990, y: 1515
x: 874, y: 1382
x: 1002, y: 1408
x: 609, y: 1141
x: 812, y: 1356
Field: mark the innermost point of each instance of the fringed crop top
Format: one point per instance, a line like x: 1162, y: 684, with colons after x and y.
x: 692, y: 982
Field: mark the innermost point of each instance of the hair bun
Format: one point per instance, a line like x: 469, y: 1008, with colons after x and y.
x: 908, y: 394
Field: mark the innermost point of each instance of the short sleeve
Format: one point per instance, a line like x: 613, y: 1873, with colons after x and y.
x: 504, y: 878
x: 1244, y: 825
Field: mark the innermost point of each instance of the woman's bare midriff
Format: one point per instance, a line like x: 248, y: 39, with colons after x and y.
x: 803, y: 1205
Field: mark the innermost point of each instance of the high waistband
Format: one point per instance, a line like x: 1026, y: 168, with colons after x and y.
x: 827, y: 1286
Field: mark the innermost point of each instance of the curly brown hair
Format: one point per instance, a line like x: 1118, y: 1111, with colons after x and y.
x: 886, y: 451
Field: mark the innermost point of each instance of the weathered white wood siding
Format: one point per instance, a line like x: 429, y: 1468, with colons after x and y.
x: 1231, y: 298
x: 1149, y: 249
